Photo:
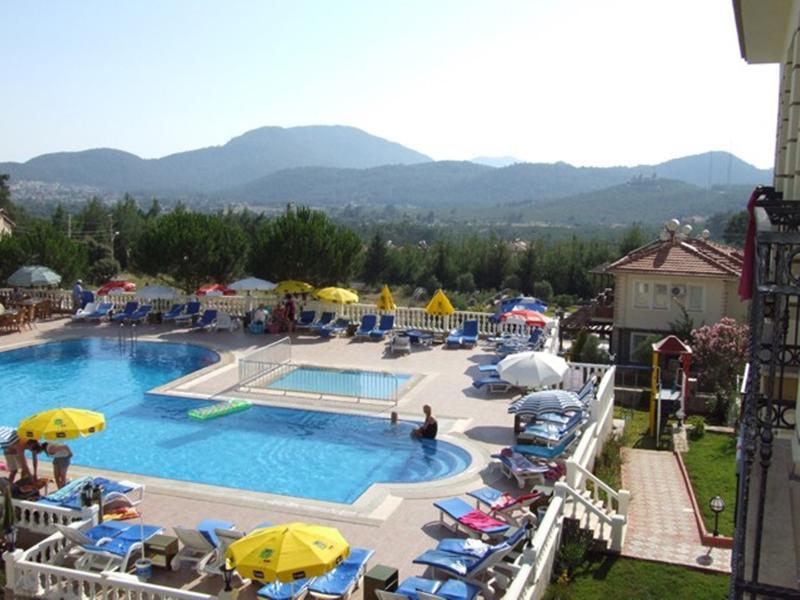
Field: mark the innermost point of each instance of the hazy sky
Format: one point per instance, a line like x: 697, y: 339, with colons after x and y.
x: 583, y: 81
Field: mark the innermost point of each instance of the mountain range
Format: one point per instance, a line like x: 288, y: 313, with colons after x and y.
x: 327, y: 166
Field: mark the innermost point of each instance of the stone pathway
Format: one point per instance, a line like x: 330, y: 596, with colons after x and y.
x: 661, y: 523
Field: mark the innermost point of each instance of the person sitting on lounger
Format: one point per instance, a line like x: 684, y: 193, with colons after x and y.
x: 61, y: 455
x: 429, y: 427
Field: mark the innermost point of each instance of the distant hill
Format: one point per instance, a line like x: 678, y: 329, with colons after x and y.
x: 645, y: 200
x: 252, y: 155
x: 708, y: 169
x: 495, y: 161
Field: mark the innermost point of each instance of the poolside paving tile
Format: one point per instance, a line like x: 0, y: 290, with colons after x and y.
x: 661, y: 522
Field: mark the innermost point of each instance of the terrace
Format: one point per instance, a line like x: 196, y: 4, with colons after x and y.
x: 398, y: 520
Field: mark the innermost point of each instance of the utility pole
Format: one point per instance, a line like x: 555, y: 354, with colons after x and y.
x: 111, y: 234
x: 69, y: 225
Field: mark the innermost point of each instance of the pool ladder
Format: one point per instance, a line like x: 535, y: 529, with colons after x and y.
x: 127, y: 335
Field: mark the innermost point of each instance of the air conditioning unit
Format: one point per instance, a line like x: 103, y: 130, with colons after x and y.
x: 678, y: 291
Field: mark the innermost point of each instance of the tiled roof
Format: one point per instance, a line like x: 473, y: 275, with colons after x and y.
x: 685, y: 257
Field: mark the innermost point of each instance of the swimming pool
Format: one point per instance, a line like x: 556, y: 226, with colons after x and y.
x: 338, y: 382
x: 324, y: 456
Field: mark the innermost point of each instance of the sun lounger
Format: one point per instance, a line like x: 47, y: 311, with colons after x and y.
x: 409, y: 588
x: 367, y: 325
x: 225, y: 536
x: 225, y: 322
x: 510, y: 508
x: 306, y: 319
x: 466, y: 336
x: 207, y: 321
x: 494, y: 385
x: 515, y: 466
x: 400, y: 343
x: 471, y: 569
x: 544, y: 452
x: 140, y: 314
x: 452, y: 589
x: 199, y: 545
x: 192, y: 311
x: 82, y: 313
x: 479, y: 548
x: 468, y: 519
x: 385, y: 326
x: 126, y: 313
x: 111, y: 553
x: 344, y: 579
x: 340, y: 326
x: 586, y: 393
x: 324, y: 320
x: 112, y: 491
x: 173, y: 313
x: 285, y: 591
x: 100, y: 312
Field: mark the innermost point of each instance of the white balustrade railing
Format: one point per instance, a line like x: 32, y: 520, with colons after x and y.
x: 42, y: 518
x: 536, y: 569
x: 579, y: 373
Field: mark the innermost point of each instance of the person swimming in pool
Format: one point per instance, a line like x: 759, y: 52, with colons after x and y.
x: 429, y: 428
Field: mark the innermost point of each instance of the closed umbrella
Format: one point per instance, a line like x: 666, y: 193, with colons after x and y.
x: 532, y: 369
x: 337, y: 295
x: 439, y: 305
x: 157, y: 292
x: 252, y: 284
x: 61, y: 424
x: 287, y: 552
x: 34, y: 276
x: 545, y: 401
x: 292, y: 286
x: 385, y: 300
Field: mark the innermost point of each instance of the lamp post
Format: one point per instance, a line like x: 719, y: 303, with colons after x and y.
x: 717, y: 505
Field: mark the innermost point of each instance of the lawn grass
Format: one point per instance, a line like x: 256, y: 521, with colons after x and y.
x: 636, y: 430
x: 607, y: 577
x: 711, y: 463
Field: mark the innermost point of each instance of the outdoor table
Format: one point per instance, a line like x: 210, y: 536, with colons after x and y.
x: 380, y: 577
x: 418, y: 337
x: 161, y: 549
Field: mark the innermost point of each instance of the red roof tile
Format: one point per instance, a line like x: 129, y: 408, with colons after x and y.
x: 686, y: 257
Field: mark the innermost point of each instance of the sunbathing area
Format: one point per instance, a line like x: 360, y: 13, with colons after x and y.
x: 415, y: 453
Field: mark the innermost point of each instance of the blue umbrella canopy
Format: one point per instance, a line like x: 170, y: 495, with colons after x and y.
x: 34, y: 276
x: 519, y: 303
x: 8, y: 436
x: 537, y: 403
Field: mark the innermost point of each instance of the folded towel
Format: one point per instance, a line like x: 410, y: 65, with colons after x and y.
x: 480, y: 521
x: 69, y: 492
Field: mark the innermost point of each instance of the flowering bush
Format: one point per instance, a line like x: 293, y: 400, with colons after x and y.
x: 720, y: 353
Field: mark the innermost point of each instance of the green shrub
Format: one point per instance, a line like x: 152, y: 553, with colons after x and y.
x: 103, y: 270
x: 698, y: 427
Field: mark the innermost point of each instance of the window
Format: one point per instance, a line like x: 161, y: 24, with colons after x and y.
x: 661, y: 295
x: 695, y: 298
x: 636, y: 340
x: 641, y: 294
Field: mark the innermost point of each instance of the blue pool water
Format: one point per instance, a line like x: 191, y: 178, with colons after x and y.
x: 325, y: 456
x: 361, y: 384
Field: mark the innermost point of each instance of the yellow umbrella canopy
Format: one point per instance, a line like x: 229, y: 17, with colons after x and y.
x: 439, y: 305
x: 337, y: 295
x: 287, y: 552
x: 61, y: 424
x: 292, y: 286
x: 385, y: 300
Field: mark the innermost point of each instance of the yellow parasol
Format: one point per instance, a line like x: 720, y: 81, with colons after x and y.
x: 292, y: 286
x: 287, y: 552
x: 385, y: 300
x: 337, y: 295
x: 61, y: 424
x: 439, y: 305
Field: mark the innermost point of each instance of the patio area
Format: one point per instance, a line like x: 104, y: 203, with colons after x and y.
x: 398, y: 522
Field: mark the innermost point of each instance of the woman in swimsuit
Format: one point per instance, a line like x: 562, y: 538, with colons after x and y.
x: 61, y: 455
x: 429, y: 427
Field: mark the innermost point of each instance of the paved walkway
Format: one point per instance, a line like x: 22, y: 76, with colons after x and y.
x: 661, y: 523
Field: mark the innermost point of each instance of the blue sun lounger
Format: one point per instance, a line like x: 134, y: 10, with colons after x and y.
x: 285, y: 591
x: 100, y: 312
x: 422, y: 587
x: 140, y: 314
x: 466, y: 336
x: 340, y: 326
x: 126, y: 313
x: 345, y: 578
x: 468, y: 519
x: 174, y: 312
x: 306, y: 319
x: 207, y: 321
x: 113, y: 545
x: 324, y: 320
x: 192, y: 310
x: 367, y: 325
x: 385, y: 326
x: 545, y: 452
x: 549, y: 432
x: 493, y: 385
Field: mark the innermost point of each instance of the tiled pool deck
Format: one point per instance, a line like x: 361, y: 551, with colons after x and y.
x: 398, y: 527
